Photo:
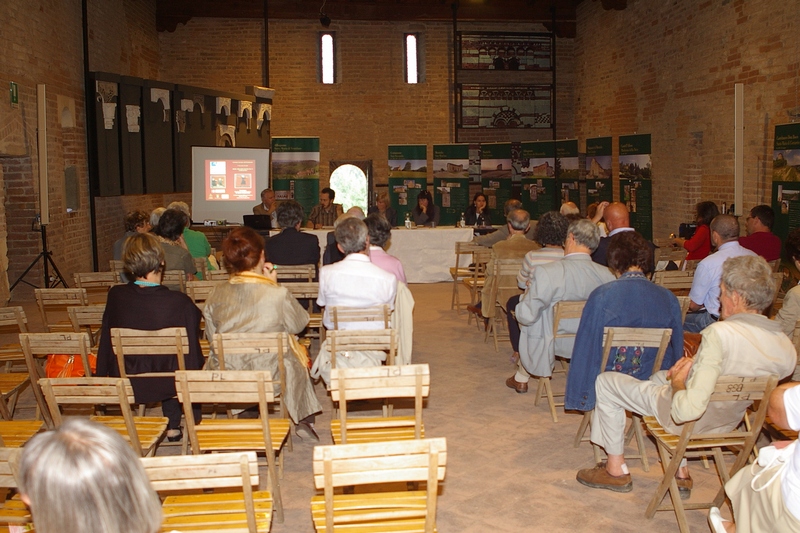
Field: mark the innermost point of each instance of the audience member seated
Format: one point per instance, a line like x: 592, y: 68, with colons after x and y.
x: 384, y: 208
x: 325, y: 213
x: 514, y: 247
x: 745, y: 344
x: 352, y: 282
x: 332, y: 253
x: 572, y: 278
x: 632, y: 301
x: 490, y: 239
x: 617, y: 220
x: 268, y: 206
x: 699, y: 245
x: 147, y: 305
x: 425, y: 213
x: 83, y: 476
x: 760, y: 238
x: 155, y: 216
x: 135, y: 222
x: 704, y: 294
x: 550, y: 234
x: 768, y: 498
x: 591, y: 214
x: 478, y: 212
x: 789, y: 313
x: 380, y: 232
x: 251, y: 301
x: 291, y: 246
x: 569, y: 208
x: 196, y: 241
x: 169, y: 232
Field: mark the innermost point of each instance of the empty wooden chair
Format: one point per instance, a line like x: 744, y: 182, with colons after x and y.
x: 477, y: 278
x: 372, y: 464
x: 15, y: 433
x: 218, y: 275
x: 12, y: 511
x: 463, y: 269
x: 199, y: 291
x: 679, y: 282
x: 12, y: 321
x: 37, y: 346
x: 142, y: 433
x: 666, y: 253
x: 201, y: 267
x: 562, y: 311
x: 118, y: 268
x: 96, y: 284
x: 175, y: 280
x: 382, y: 382
x: 629, y: 337
x: 57, y: 300
x: 673, y: 448
x: 264, y: 434
x: 296, y: 272
x: 196, y: 506
x: 505, y: 272
x: 88, y: 318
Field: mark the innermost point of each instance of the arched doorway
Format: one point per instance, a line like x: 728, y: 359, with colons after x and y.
x: 352, y: 182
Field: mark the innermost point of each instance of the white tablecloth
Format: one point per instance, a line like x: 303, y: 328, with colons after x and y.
x: 426, y: 253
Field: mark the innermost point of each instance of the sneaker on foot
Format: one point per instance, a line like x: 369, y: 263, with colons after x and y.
x: 599, y: 478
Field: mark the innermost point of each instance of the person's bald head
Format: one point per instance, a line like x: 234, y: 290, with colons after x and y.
x: 569, y: 208
x: 726, y: 227
x: 616, y: 216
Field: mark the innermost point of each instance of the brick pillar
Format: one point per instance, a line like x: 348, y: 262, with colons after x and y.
x: 20, y: 209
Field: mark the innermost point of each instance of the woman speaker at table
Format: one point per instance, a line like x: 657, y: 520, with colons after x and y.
x: 425, y: 213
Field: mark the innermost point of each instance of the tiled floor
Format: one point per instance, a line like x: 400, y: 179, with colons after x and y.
x: 510, y: 468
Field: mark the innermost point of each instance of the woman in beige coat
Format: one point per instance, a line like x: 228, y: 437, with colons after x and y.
x: 253, y: 302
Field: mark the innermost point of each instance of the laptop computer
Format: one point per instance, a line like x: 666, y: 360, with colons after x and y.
x: 258, y: 222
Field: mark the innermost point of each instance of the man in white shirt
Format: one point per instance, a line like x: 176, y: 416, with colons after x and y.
x: 704, y: 294
x: 354, y: 281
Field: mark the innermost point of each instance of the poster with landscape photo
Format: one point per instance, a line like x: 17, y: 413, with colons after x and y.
x: 786, y: 179
x: 451, y: 181
x: 635, y: 175
x: 295, y: 170
x: 598, y: 170
x: 568, y: 171
x: 496, y: 174
x: 408, y: 176
x: 538, y: 172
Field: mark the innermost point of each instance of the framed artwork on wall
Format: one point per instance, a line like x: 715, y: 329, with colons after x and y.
x: 505, y: 51
x: 505, y: 106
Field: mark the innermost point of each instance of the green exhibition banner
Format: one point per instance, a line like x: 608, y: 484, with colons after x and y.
x: 496, y: 174
x: 451, y: 181
x: 295, y: 170
x: 568, y: 171
x: 408, y: 176
x: 786, y: 179
x: 538, y: 171
x: 635, y: 181
x: 599, y: 187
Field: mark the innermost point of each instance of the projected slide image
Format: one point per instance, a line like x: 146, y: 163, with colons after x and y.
x: 232, y: 179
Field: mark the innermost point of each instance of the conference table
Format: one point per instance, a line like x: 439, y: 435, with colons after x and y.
x: 426, y: 253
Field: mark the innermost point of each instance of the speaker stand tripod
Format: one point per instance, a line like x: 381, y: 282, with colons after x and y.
x: 46, y: 256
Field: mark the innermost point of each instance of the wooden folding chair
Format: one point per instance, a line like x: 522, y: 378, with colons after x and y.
x: 12, y: 321
x: 96, y: 284
x: 37, y: 346
x: 382, y: 382
x: 561, y: 311
x: 673, y: 448
x: 218, y: 275
x: 370, y: 465
x: 223, y: 434
x: 88, y: 318
x: 679, y: 282
x: 57, y: 300
x: 775, y: 265
x: 201, y: 267
x: 629, y: 337
x: 684, y: 301
x: 477, y: 278
x: 308, y: 290
x: 118, y: 268
x: 463, y: 269
x: 12, y: 511
x: 142, y: 433
x: 199, y: 291
x: 175, y: 280
x: 377, y: 313
x: 665, y: 254
x: 690, y: 265
x: 196, y: 506
x: 505, y: 272
x: 296, y: 272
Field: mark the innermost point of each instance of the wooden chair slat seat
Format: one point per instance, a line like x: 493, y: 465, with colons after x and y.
x: 464, y: 268
x: 12, y: 511
x: 296, y: 272
x: 15, y: 433
x: 56, y: 301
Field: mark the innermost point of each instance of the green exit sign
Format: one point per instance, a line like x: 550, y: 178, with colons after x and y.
x: 14, y: 94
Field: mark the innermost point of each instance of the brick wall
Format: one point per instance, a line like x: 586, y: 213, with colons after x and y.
x: 669, y: 68
x: 369, y: 108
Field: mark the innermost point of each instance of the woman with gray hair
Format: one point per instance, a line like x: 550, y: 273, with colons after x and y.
x: 84, y: 477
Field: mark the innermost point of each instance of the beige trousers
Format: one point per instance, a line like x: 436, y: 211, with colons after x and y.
x: 759, y: 511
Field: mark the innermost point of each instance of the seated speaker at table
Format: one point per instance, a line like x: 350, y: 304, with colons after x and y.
x: 383, y: 208
x: 425, y: 213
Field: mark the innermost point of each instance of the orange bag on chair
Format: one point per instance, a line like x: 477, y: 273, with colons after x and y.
x: 68, y: 366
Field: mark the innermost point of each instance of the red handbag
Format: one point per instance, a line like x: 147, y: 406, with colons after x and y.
x: 68, y: 366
